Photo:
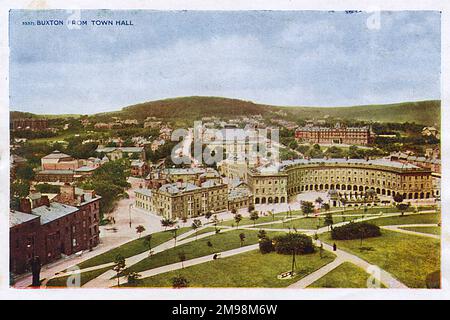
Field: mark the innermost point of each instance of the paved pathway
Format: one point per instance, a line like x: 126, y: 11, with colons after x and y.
x: 398, y: 228
x: 104, y: 280
x: 342, y: 256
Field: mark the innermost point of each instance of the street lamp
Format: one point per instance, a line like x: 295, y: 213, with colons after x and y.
x: 129, y: 212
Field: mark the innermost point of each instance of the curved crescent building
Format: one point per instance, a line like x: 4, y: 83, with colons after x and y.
x: 277, y: 183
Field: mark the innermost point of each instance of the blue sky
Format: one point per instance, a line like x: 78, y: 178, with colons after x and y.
x: 307, y: 58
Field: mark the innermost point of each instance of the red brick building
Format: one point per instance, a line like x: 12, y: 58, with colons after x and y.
x: 335, y: 135
x: 51, y: 230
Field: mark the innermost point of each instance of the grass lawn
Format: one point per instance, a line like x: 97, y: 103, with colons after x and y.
x: 85, y: 277
x: 306, y: 223
x: 430, y: 230
x: 220, y: 242
x: 347, y: 275
x: 250, y: 269
x: 261, y: 219
x: 408, y: 258
x: 131, y: 248
x: 426, y: 218
x: 203, y: 231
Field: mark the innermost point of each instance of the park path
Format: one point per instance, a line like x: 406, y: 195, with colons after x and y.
x: 343, y: 256
x: 188, y: 263
x: 104, y: 280
x: 398, y: 228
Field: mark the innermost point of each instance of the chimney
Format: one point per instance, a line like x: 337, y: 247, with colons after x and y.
x: 68, y: 192
x: 45, y: 201
x: 25, y: 205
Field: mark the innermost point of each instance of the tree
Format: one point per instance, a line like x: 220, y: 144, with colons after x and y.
x: 195, y: 225
x: 180, y: 282
x: 140, y: 229
x: 148, y: 243
x: 293, y: 243
x: 237, y: 219
x: 402, y: 207
x: 182, y: 257
x: 254, y: 216
x: 250, y: 208
x: 25, y: 172
x: 328, y: 219
x: 262, y: 234
x: 233, y: 211
x: 326, y: 207
x: 398, y: 198
x: 167, y: 222
x: 307, y: 207
x: 119, y: 266
x: 242, y: 238
x: 133, y: 278
x: 319, y: 201
x: 215, y: 221
x: 208, y: 215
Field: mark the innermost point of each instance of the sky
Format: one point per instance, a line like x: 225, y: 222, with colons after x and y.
x: 287, y: 58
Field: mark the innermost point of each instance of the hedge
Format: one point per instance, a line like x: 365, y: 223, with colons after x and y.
x: 353, y: 231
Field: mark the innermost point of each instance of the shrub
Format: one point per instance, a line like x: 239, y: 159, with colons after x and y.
x: 298, y: 242
x: 353, y: 231
x: 266, y: 246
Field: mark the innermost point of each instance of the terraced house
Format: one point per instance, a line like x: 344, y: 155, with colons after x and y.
x: 276, y: 183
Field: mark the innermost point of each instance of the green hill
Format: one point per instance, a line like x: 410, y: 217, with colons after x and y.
x: 188, y: 109
x: 421, y: 112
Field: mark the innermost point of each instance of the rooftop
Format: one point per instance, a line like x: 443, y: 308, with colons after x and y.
x: 53, y: 212
x: 17, y: 217
x: 145, y: 192
x: 275, y: 168
x: 56, y: 155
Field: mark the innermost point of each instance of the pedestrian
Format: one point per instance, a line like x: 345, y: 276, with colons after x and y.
x: 334, y: 246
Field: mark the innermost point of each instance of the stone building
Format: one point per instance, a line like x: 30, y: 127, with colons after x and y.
x: 335, y: 135
x: 277, y: 183
x: 184, y: 199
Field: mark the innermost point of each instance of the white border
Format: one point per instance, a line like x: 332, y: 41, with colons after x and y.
x: 227, y: 294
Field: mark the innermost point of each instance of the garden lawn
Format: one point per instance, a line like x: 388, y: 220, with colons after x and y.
x: 268, y: 218
x: 430, y: 230
x: 408, y: 258
x: 309, y: 223
x: 250, y: 269
x: 347, y: 275
x: 85, y: 277
x: 426, y: 218
x: 203, y: 231
x: 131, y: 248
x: 220, y: 242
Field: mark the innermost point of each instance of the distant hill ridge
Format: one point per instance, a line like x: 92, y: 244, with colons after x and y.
x: 194, y: 108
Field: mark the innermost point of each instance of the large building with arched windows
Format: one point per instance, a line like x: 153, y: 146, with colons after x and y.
x: 277, y: 183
